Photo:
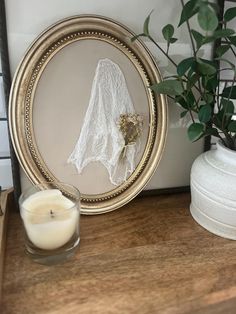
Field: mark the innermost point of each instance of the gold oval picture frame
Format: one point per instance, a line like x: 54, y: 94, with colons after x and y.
x: 51, y: 99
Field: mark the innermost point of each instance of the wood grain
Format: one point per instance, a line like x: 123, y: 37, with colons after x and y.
x: 148, y: 257
x: 6, y: 199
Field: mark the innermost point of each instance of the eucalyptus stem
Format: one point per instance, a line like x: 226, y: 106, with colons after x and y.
x: 229, y: 139
x: 197, y: 81
x: 197, y: 101
x: 189, y: 109
x: 169, y: 58
x: 223, y: 140
x: 217, y: 90
x: 190, y: 34
x: 193, y: 45
x: 191, y: 115
x: 231, y: 48
x: 218, y: 97
x: 163, y: 51
x: 228, y: 42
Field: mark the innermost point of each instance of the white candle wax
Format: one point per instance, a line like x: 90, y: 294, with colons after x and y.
x: 50, y: 219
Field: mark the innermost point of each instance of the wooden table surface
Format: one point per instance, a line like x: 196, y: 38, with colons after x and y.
x: 148, y: 257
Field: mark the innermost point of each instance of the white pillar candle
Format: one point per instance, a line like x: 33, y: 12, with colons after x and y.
x: 50, y: 219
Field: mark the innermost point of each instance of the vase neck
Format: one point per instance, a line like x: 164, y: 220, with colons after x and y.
x: 225, y: 154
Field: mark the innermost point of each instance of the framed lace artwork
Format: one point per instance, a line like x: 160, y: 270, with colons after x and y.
x: 82, y: 112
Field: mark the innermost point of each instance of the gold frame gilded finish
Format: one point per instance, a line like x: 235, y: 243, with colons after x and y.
x: 22, y: 96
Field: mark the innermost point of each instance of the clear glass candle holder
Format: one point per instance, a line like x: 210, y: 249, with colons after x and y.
x: 51, y: 221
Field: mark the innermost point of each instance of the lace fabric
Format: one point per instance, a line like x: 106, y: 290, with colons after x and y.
x: 100, y: 138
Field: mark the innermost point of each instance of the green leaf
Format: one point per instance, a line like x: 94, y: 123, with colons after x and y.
x: 212, y: 132
x: 204, y: 80
x: 232, y: 39
x: 180, y: 100
x: 211, y: 82
x: 193, y: 78
x: 202, y: 103
x: 228, y: 93
x: 189, y: 9
x: 205, y: 68
x: 184, y: 65
x: 213, y: 63
x: 199, y: 38
x: 146, y: 25
x: 230, y: 14
x: 232, y: 126
x: 137, y: 36
x: 227, y: 110
x: 168, y: 32
x: 173, y: 40
x: 228, y: 107
x: 223, y: 116
x: 208, y: 98
x: 168, y: 87
x: 204, y: 114
x: 220, y: 51
x: 186, y: 100
x: 183, y: 113
x: 207, y: 18
x: 221, y: 33
x: 192, y: 70
x: 218, y: 120
x: 190, y: 98
x: 195, y: 131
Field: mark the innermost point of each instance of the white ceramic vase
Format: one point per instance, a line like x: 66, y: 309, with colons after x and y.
x: 213, y: 191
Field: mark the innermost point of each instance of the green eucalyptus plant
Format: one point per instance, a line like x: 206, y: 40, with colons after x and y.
x: 196, y: 84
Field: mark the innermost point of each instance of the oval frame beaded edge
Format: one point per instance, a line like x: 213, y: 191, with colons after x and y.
x: 24, y: 84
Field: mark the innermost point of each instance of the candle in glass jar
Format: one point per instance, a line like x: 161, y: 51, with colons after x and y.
x: 50, y: 219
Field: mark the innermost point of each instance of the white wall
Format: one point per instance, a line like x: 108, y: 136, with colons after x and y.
x: 27, y: 18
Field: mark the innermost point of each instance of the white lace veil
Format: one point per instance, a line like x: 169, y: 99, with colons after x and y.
x: 100, y: 138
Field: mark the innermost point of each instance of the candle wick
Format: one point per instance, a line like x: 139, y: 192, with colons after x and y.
x: 52, y: 214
